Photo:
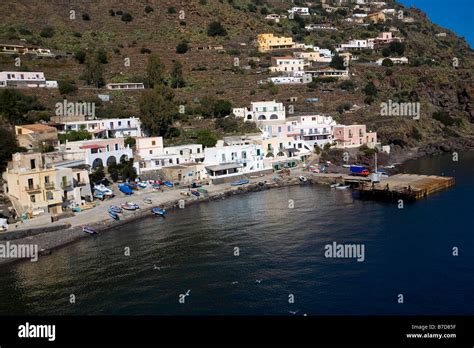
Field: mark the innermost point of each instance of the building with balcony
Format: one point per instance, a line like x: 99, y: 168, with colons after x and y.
x: 287, y: 64
x: 162, y: 157
x: 235, y: 160
x: 34, y: 186
x: 99, y: 152
x: 269, y: 42
x: 353, y: 136
x: 262, y: 112
x: 100, y: 128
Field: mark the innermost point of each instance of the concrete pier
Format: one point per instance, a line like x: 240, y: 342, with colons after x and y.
x: 409, y: 187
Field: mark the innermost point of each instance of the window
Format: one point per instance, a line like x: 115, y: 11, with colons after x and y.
x: 33, y: 164
x: 151, y: 152
x: 33, y: 199
x: 116, y: 147
x: 198, y: 150
x: 119, y: 123
x: 30, y: 183
x: 49, y: 195
x: 153, y: 143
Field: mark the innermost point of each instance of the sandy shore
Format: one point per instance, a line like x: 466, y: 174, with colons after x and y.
x: 100, y: 220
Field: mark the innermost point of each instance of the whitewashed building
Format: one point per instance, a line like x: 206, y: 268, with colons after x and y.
x: 287, y: 64
x: 99, y: 152
x: 356, y: 45
x: 229, y: 161
x: 102, y: 128
x: 25, y: 79
x: 125, y: 86
x: 262, y: 111
x: 301, y: 11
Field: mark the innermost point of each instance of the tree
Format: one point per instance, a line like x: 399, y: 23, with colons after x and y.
x: 130, y: 141
x: 370, y: 90
x: 97, y: 175
x: 8, y: 145
x: 127, y: 17
x: 387, y: 62
x: 337, y: 63
x: 102, y: 56
x: 94, y: 71
x: 206, y: 138
x: 47, y: 32
x: 80, y: 56
x: 67, y: 86
x: 216, y: 29
x: 154, y: 71
x: 177, y: 79
x: 222, y: 108
x: 182, y: 48
x: 14, y: 106
x: 157, y: 110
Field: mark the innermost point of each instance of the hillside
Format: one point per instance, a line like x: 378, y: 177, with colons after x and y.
x: 430, y: 78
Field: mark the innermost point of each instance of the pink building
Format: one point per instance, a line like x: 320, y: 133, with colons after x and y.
x: 353, y: 136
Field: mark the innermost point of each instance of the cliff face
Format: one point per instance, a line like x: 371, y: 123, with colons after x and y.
x: 157, y: 26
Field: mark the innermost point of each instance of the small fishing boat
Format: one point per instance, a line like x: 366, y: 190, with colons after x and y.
x: 168, y: 184
x: 113, y: 215
x: 303, y: 179
x: 195, y: 193
x: 142, y: 185
x: 125, y: 188
x: 335, y: 185
x: 202, y: 190
x: 185, y: 193
x: 116, y: 209
x: 103, y: 190
x: 130, y: 206
x: 240, y: 182
x: 89, y: 230
x: 99, y: 195
x: 343, y: 187
x: 147, y: 201
x: 158, y: 211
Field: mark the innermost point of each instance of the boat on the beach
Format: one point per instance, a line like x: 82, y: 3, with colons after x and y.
x: 195, y: 193
x: 303, y: 179
x: 147, y: 201
x: 343, y: 187
x: 89, y: 230
x: 103, y: 190
x: 113, y: 215
x: 125, y: 188
x: 185, y: 193
x: 143, y: 185
x: 168, y: 184
x: 158, y: 211
x: 240, y: 182
x: 116, y: 209
x: 130, y: 206
x: 99, y: 195
x: 202, y: 190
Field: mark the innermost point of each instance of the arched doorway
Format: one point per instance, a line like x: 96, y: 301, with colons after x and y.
x: 97, y: 163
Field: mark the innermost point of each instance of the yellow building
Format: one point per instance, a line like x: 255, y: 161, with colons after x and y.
x: 33, y: 186
x: 377, y: 17
x: 269, y: 42
x: 34, y: 136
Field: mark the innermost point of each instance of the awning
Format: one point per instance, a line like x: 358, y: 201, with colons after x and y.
x: 220, y: 167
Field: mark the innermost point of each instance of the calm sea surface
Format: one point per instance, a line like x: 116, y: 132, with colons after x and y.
x: 281, y: 252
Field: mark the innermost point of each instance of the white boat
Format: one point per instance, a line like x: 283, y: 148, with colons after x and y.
x: 343, y: 187
x: 335, y: 185
x: 303, y: 179
x: 104, y: 190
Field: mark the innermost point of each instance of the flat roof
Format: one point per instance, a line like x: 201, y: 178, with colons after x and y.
x: 218, y: 167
